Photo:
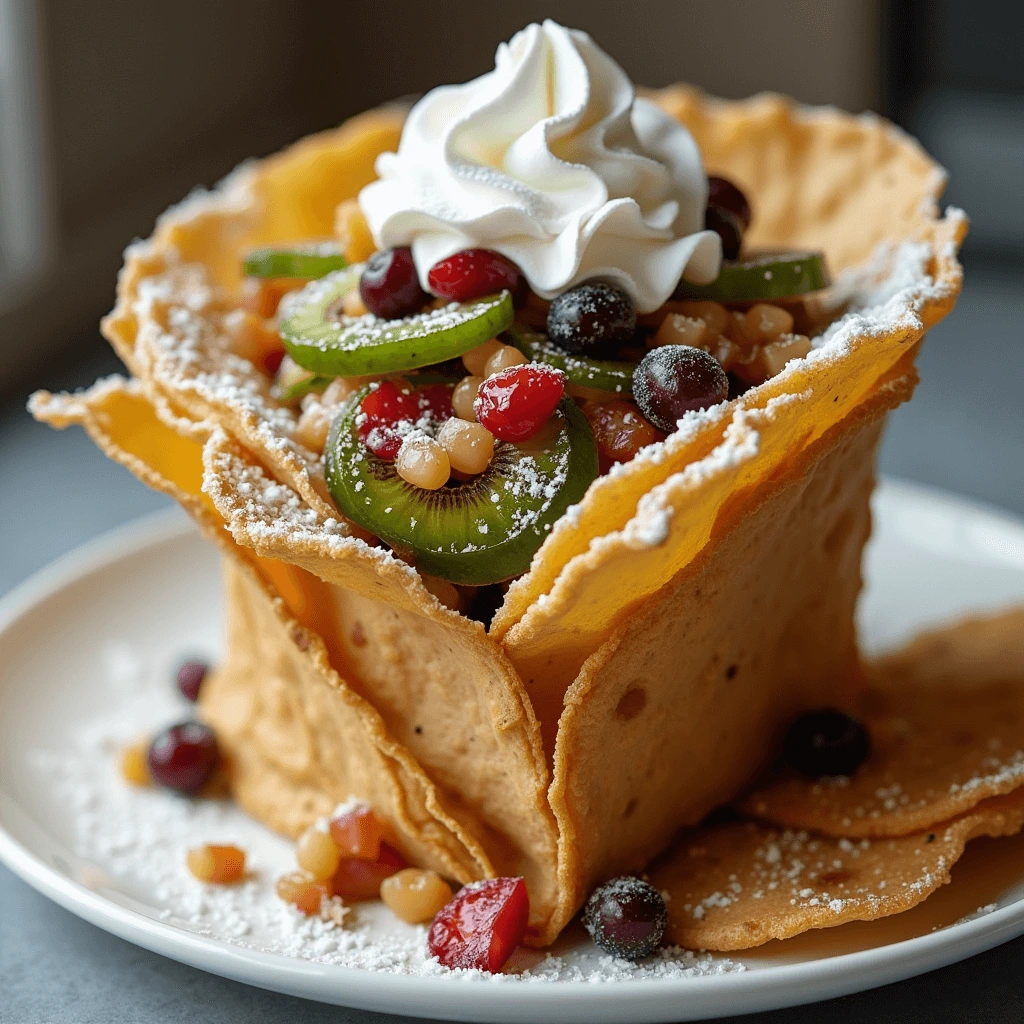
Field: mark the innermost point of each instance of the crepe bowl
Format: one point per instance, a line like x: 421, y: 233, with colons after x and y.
x: 672, y: 622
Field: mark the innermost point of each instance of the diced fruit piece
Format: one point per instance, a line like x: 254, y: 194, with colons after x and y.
x: 476, y: 359
x: 293, y: 382
x: 354, y: 237
x: 826, y: 742
x: 481, y: 927
x: 727, y: 196
x: 480, y: 531
x: 415, y: 896
x: 774, y: 356
x: 317, y: 853
x: 470, y: 446
x: 591, y: 319
x: 727, y: 226
x: 675, y: 379
x: 189, y: 678
x: 619, y: 429
x: 254, y: 339
x: 357, y: 833
x: 184, y: 757
x: 516, y: 403
x: 389, y: 285
x: 357, y: 879
x: 422, y: 462
x: 611, y: 375
x: 677, y: 329
x: 304, y: 893
x: 765, y: 322
x: 321, y: 338
x: 218, y: 865
x: 435, y: 401
x: 135, y: 766
x: 309, y: 261
x: 384, y: 406
x: 464, y: 396
x: 263, y: 295
x: 472, y: 273
x: 505, y: 357
x: 762, y: 277
x: 626, y: 917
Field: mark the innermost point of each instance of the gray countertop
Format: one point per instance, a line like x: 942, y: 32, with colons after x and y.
x: 964, y: 431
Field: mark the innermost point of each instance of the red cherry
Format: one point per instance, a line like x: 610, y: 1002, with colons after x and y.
x: 482, y: 926
x: 183, y: 757
x: 358, y: 879
x: 515, y: 403
x: 389, y: 285
x: 472, y: 273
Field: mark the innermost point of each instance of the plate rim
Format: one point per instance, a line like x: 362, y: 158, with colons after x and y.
x: 655, y: 999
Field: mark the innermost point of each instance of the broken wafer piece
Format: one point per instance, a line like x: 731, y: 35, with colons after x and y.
x: 946, y: 719
x: 739, y: 885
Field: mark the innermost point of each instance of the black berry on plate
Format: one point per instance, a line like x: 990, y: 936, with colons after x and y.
x: 626, y: 917
x: 190, y: 678
x: 727, y: 196
x: 592, y: 319
x: 183, y: 757
x: 727, y: 226
x: 389, y: 285
x: 675, y: 379
x: 826, y: 742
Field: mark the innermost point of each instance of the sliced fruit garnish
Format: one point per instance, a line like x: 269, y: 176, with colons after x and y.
x: 768, y: 275
x: 612, y: 375
x: 312, y: 260
x: 294, y: 382
x: 483, y: 530
x: 327, y: 342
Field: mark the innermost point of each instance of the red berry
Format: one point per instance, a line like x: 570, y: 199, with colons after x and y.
x: 515, y: 403
x: 358, y: 879
x: 472, y: 273
x: 190, y: 678
x: 436, y: 399
x: 383, y: 409
x: 482, y: 926
x: 727, y: 196
x: 384, y: 442
x: 389, y: 285
x: 672, y: 380
x: 183, y: 757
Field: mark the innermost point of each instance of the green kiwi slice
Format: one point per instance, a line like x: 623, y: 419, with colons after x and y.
x: 611, y: 375
x: 764, y: 276
x: 313, y: 260
x: 484, y: 530
x: 320, y: 339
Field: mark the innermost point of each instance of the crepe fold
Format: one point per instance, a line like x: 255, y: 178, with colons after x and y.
x: 639, y: 674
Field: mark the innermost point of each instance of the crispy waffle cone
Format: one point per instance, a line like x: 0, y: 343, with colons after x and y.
x: 639, y: 673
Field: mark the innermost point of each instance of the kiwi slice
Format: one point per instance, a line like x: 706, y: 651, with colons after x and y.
x: 313, y: 260
x: 764, y: 276
x: 293, y: 382
x: 329, y: 343
x: 611, y: 375
x: 484, y: 530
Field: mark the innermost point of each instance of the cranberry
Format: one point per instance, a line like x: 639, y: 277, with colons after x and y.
x: 515, y: 403
x: 383, y: 409
x: 184, y: 757
x: 727, y: 226
x: 436, y: 399
x: 472, y: 273
x: 389, y: 285
x: 727, y: 196
x: 359, y: 879
x: 675, y: 379
x: 592, y: 319
x: 626, y: 917
x: 482, y: 926
x: 619, y: 429
x: 826, y: 742
x: 190, y: 678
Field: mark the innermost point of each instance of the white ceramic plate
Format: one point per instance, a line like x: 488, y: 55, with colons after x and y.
x: 92, y: 640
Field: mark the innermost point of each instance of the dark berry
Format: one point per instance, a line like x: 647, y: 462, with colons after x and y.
x: 184, y: 757
x: 472, y: 273
x: 482, y: 926
x: 675, y: 379
x: 626, y: 917
x: 592, y: 320
x: 389, y: 285
x: 727, y: 196
x: 190, y: 677
x: 727, y: 226
x: 826, y: 742
x: 515, y: 403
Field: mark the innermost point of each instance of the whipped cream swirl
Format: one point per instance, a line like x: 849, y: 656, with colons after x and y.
x: 553, y: 161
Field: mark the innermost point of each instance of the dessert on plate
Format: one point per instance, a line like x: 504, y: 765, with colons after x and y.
x: 536, y: 425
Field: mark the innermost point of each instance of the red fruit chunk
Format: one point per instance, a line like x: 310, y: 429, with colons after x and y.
x: 472, y: 273
x: 383, y: 408
x: 183, y: 757
x: 482, y: 926
x: 190, y: 678
x: 727, y: 196
x: 357, y: 833
x: 437, y: 400
x: 389, y: 286
x: 357, y: 879
x: 384, y: 442
x: 515, y: 403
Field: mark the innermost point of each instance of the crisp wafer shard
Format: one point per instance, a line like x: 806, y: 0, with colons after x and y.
x: 946, y: 718
x: 737, y: 886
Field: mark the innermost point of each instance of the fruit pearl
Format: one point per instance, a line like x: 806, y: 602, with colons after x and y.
x: 470, y: 446
x: 505, y: 357
x: 476, y: 358
x: 422, y: 462
x: 415, y: 896
x: 219, y: 865
x: 316, y: 853
x: 464, y: 396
